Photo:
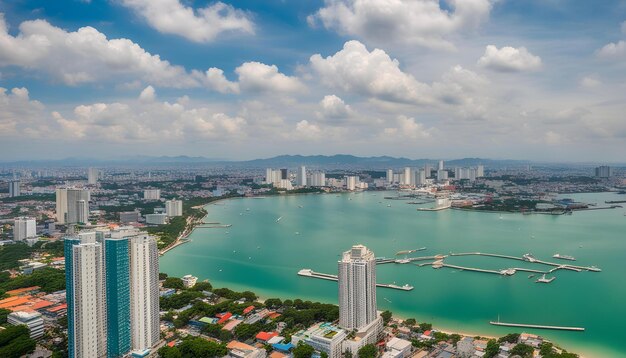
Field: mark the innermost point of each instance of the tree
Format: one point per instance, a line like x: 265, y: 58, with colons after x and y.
x: 323, y: 355
x: 174, y: 282
x: 511, y: 338
x: 425, y: 327
x: 386, y: 315
x: 492, y: 349
x: 200, y: 348
x: 347, y: 354
x: 368, y: 351
x: 162, y: 276
x: 3, y: 315
x: 169, y: 352
x: 410, y: 322
x: 202, y: 286
x: 522, y: 350
x: 273, y: 302
x: 15, y: 342
x: 303, y: 350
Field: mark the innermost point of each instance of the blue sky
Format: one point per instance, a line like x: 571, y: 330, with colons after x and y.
x: 539, y: 80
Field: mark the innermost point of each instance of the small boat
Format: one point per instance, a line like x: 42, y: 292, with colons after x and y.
x: 531, y: 275
x: 277, y: 220
x: 564, y: 257
x: 388, y: 205
x: 543, y: 279
x: 297, y: 232
x: 249, y: 257
x: 247, y: 209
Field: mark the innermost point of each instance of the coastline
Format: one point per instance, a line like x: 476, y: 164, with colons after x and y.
x: 587, y: 353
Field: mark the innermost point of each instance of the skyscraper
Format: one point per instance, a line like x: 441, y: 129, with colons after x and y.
x: 174, y: 208
x: 284, y: 173
x: 604, y: 171
x: 407, y: 176
x: 389, y: 176
x: 357, y: 288
x: 86, y: 297
x: 318, y: 179
x: 152, y: 194
x: 14, y: 188
x: 72, y: 205
x: 144, y: 293
x: 23, y: 228
x: 301, y: 176
x: 117, y: 283
x: 92, y: 176
x: 440, y: 165
x: 351, y: 182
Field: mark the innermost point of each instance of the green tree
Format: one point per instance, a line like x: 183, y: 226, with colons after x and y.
x: 169, y: 352
x: 347, y: 354
x: 410, y: 322
x: 273, y: 302
x: 15, y: 342
x: 3, y: 315
x: 492, y: 349
x: 368, y: 351
x: 162, y: 276
x: 522, y: 350
x: 386, y: 316
x: 511, y: 338
x: 202, y: 286
x: 201, y: 348
x: 303, y: 350
x: 174, y: 282
x: 425, y: 327
x: 323, y: 355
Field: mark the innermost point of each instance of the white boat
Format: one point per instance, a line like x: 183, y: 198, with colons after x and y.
x: 564, y: 257
x: 543, y: 279
x: 277, y: 220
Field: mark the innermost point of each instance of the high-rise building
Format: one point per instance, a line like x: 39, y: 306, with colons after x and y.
x: 61, y: 204
x: 440, y: 165
x: 604, y: 171
x: 174, y: 208
x: 152, y: 194
x: 86, y: 297
x: 269, y: 175
x: 24, y: 228
x: 442, y: 175
x: 389, y: 176
x: 301, y: 176
x: 77, y: 205
x: 92, y: 176
x: 357, y: 288
x: 318, y: 179
x: 117, y: 283
x: 144, y: 293
x: 351, y: 182
x: 14, y: 188
x: 428, y: 169
x: 407, y: 176
x: 480, y: 171
x: 420, y: 177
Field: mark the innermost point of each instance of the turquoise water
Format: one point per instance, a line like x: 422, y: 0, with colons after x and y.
x: 262, y: 255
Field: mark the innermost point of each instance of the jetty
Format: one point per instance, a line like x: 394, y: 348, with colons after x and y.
x: 329, y: 277
x: 530, y: 258
x: 214, y: 226
x: 538, y: 326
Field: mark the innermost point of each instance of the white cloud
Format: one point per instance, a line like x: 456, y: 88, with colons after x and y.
x: 421, y: 22
x: 307, y: 130
x: 215, y: 79
x: 612, y: 50
x: 406, y: 127
x: 147, y: 95
x: 355, y: 69
x: 84, y: 56
x: 590, y: 82
x: 19, y: 114
x: 259, y: 77
x: 334, y: 107
x: 509, y: 59
x: 198, y: 25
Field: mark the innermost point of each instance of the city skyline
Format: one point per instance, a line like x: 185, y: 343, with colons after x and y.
x: 229, y: 79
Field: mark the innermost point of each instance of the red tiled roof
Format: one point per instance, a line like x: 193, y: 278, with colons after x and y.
x: 266, y: 336
x: 248, y: 309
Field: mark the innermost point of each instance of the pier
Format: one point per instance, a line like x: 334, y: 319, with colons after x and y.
x: 214, y: 226
x: 521, y: 325
x: 531, y: 259
x: 329, y: 277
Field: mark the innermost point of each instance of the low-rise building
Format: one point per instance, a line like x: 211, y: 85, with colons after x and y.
x: 32, y: 320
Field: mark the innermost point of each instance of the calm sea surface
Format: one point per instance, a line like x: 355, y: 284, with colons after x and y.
x: 261, y: 254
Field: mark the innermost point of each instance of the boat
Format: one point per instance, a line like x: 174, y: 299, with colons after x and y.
x: 277, y: 220
x: 564, y: 257
x: 529, y: 258
x: 300, y: 206
x: 531, y: 275
x: 388, y: 205
x: 543, y: 279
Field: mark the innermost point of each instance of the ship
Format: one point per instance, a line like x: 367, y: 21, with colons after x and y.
x: 564, y: 257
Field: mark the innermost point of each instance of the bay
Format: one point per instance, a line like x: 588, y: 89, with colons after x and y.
x: 263, y: 254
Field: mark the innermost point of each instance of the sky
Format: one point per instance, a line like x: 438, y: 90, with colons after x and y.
x: 541, y: 80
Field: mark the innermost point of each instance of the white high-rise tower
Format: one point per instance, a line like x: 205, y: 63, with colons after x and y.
x: 144, y: 292
x: 357, y: 288
x: 92, y: 176
x: 301, y: 176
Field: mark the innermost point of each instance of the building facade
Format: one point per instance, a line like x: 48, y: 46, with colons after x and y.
x: 117, y: 276
x: 14, y: 188
x: 24, y: 228
x: 174, y: 208
x: 357, y: 288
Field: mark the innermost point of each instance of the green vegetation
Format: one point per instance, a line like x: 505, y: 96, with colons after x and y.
x: 303, y: 350
x: 492, y: 349
x: 194, y: 347
x: 37, y: 197
x: 202, y: 286
x: 386, y: 315
x: 11, y: 254
x: 410, y: 322
x: 368, y: 351
x: 522, y: 350
x: 547, y: 351
x: 3, y: 315
x: 174, y: 282
x: 169, y: 232
x: 15, y: 342
x: 49, y: 279
x: 232, y: 295
x: 511, y: 338
x: 179, y: 300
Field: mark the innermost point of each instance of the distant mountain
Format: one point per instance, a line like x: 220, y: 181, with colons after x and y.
x: 328, y: 162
